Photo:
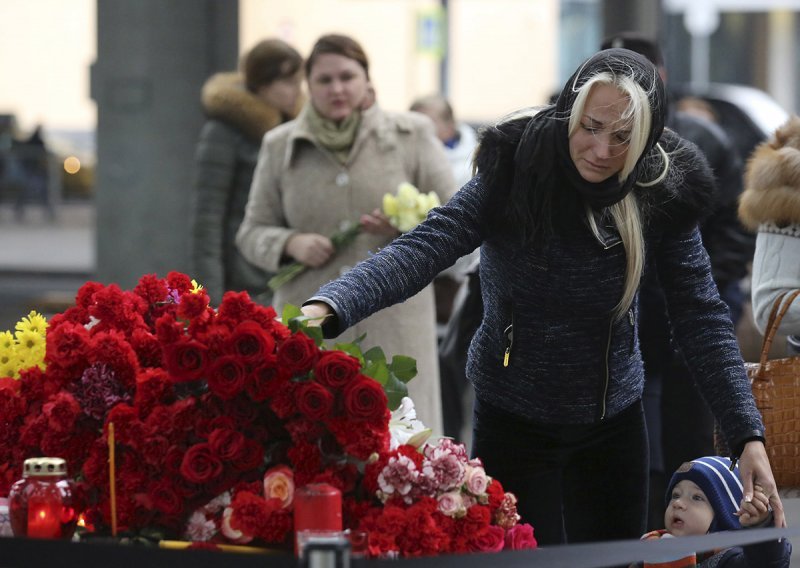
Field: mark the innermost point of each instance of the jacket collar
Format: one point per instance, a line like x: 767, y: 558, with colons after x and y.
x: 374, y: 124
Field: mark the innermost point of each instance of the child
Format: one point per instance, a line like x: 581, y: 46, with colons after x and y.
x: 704, y: 496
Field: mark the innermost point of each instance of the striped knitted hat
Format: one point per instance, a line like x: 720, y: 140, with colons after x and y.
x: 722, y: 487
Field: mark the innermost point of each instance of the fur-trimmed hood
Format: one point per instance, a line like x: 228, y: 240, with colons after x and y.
x: 772, y: 180
x: 224, y: 97
x: 684, y: 198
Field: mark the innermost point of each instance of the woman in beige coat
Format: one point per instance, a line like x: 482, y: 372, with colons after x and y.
x: 333, y: 165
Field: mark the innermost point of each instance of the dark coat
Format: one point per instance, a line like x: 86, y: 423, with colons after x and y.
x: 570, y: 362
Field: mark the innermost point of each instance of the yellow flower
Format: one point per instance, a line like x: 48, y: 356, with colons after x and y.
x: 407, y: 195
x: 390, y: 205
x: 196, y: 287
x: 34, y: 322
x: 8, y: 361
x: 6, y: 340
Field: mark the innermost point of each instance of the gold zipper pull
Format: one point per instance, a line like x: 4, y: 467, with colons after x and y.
x: 509, y: 333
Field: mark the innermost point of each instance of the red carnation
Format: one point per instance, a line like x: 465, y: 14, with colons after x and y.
x: 226, y: 377
x: 200, y: 465
x: 364, y: 399
x: 62, y: 410
x: 185, y: 360
x: 251, y: 512
x: 298, y: 353
x: 336, y: 368
x: 313, y: 400
x: 193, y: 305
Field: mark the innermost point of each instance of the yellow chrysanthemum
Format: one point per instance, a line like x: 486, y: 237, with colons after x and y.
x: 34, y: 322
x: 28, y: 341
x: 8, y: 363
x: 7, y: 340
x: 196, y: 287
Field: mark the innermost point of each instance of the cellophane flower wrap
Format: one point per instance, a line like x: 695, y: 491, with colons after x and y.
x: 219, y: 414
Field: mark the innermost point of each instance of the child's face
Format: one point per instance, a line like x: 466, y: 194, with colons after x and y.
x: 689, y: 513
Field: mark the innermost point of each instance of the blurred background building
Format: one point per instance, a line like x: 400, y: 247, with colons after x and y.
x: 114, y: 87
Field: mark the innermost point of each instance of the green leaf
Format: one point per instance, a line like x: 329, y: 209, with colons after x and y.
x: 351, y: 349
x: 315, y: 333
x: 395, y: 390
x: 379, y: 371
x: 291, y: 312
x: 375, y: 354
x: 404, y: 367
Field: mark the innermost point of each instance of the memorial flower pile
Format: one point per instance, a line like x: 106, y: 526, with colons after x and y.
x: 219, y: 414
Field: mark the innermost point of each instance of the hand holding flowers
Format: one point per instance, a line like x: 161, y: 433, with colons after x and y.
x: 401, y: 212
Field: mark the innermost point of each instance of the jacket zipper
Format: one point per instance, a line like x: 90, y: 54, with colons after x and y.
x: 605, y: 385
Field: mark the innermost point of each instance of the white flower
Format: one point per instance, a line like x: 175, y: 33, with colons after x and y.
x: 199, y: 528
x: 404, y: 428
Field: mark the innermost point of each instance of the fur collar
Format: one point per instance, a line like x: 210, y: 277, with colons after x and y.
x: 772, y: 180
x: 684, y: 198
x: 225, y: 98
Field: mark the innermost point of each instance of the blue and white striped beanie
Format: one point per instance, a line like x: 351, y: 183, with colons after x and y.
x: 722, y: 487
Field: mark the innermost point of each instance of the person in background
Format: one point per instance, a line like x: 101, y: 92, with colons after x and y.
x: 771, y: 205
x: 334, y: 164
x: 241, y: 107
x: 453, y: 296
x: 704, y: 496
x: 459, y: 139
x: 570, y: 202
x: 680, y: 424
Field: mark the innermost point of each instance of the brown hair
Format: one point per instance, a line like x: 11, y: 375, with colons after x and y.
x: 338, y: 45
x: 268, y: 61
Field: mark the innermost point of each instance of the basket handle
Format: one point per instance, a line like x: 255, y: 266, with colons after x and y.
x: 779, y: 309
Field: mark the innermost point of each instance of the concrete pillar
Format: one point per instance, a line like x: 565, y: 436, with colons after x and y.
x: 152, y: 59
x: 643, y: 16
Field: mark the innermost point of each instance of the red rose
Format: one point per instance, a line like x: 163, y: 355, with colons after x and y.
x: 336, y: 368
x: 265, y: 381
x: 228, y: 445
x: 314, y: 401
x: 227, y: 376
x: 488, y: 539
x: 520, y: 537
x: 185, y: 360
x: 200, y: 465
x: 252, y: 456
x: 165, y: 498
x: 298, y: 353
x: 251, y: 342
x: 364, y: 399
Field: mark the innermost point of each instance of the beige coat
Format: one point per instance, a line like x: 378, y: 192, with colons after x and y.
x: 299, y: 186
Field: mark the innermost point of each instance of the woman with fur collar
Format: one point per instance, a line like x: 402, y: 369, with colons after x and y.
x: 771, y: 206
x: 567, y: 207
x: 241, y: 108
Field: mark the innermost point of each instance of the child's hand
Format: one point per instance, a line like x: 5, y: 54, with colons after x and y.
x: 756, y: 511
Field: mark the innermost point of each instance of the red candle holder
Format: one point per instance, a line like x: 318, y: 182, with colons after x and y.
x: 317, y: 507
x: 40, y: 505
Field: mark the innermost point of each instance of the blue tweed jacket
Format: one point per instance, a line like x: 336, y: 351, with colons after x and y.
x: 548, y: 349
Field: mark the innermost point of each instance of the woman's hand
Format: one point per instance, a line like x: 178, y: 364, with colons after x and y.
x: 754, y: 469
x: 377, y: 223
x: 318, y: 311
x: 311, y: 249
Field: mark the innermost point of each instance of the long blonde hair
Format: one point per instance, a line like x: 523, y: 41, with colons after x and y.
x: 625, y: 213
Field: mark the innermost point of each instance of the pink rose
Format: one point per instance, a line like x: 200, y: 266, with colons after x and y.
x: 520, y: 537
x: 279, y: 484
x: 452, y: 504
x: 487, y: 539
x: 476, y: 480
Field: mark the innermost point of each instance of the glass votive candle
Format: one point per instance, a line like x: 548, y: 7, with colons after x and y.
x: 40, y: 505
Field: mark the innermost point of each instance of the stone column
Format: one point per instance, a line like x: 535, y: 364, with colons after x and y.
x: 152, y: 59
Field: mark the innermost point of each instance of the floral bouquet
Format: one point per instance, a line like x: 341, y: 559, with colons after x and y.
x: 405, y: 210
x: 25, y: 347
x: 218, y: 414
